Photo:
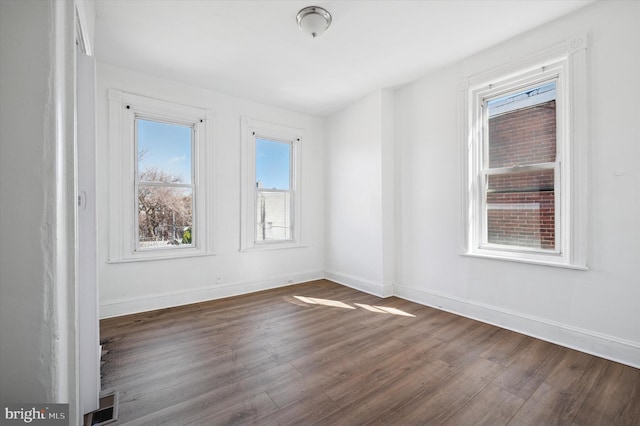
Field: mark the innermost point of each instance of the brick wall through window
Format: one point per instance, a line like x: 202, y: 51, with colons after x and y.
x: 520, y: 205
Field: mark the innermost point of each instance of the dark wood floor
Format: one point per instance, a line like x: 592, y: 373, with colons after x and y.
x: 320, y: 353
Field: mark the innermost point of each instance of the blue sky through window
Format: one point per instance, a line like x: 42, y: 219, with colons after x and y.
x: 273, y: 160
x: 166, y: 147
x: 526, y: 98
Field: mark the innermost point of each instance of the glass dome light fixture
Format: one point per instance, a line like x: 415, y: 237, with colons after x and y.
x: 313, y: 20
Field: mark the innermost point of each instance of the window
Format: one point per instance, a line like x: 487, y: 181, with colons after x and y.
x: 520, y: 170
x: 270, y: 188
x: 273, y: 190
x: 525, y: 146
x: 159, y: 171
x: 164, y: 184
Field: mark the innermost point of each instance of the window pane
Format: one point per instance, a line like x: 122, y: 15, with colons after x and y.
x: 165, y: 216
x: 521, y: 209
x: 164, y: 152
x: 273, y: 216
x: 273, y: 164
x: 522, y: 127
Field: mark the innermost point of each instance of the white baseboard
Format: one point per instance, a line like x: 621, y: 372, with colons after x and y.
x: 133, y: 305
x: 366, y: 286
x: 602, y: 345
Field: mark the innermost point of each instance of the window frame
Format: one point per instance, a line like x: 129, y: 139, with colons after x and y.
x: 251, y: 131
x: 565, y: 64
x: 124, y: 111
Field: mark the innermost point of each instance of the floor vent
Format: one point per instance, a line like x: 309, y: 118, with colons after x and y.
x: 106, y: 413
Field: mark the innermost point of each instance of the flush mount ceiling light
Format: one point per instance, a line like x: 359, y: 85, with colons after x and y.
x: 313, y: 20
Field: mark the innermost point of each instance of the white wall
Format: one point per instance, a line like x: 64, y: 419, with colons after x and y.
x: 139, y: 286
x: 359, y: 195
x: 38, y: 360
x: 597, y: 311
x: 23, y: 259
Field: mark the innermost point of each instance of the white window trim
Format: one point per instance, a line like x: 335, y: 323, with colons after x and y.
x: 123, y: 110
x: 566, y: 63
x: 250, y: 130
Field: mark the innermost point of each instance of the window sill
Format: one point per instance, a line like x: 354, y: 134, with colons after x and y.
x: 150, y: 256
x: 273, y: 246
x: 542, y: 262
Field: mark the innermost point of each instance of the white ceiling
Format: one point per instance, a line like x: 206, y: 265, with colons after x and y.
x: 254, y: 49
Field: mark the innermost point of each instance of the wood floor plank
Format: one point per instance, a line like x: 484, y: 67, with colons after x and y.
x: 305, y: 411
x: 366, y: 358
x: 226, y: 367
x: 431, y: 321
x: 150, y: 400
x: 492, y: 406
x: 434, y: 405
x: 614, y: 399
x: 245, y: 412
x: 557, y: 400
x: 530, y: 368
x: 382, y: 403
x: 336, y: 373
x: 547, y: 406
x: 332, y: 350
x: 462, y: 351
x: 377, y: 377
x: 506, y: 350
x: 321, y: 353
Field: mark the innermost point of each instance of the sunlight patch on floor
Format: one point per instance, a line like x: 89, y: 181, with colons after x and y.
x: 343, y: 305
x: 384, y: 310
x: 371, y: 308
x: 325, y: 302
